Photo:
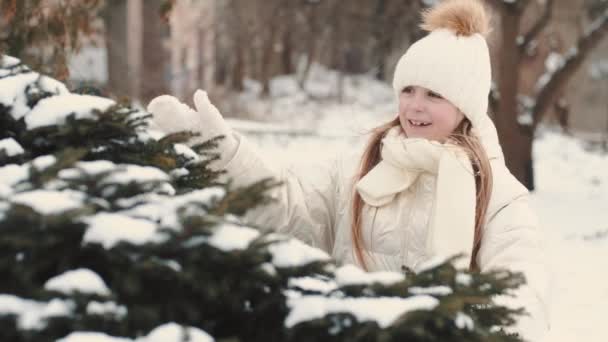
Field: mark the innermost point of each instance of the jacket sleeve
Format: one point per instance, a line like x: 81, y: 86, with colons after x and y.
x: 303, y: 206
x: 512, y: 241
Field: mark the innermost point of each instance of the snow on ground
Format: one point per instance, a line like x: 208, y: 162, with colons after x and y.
x: 570, y: 199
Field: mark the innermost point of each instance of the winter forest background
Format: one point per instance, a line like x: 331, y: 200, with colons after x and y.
x: 305, y: 79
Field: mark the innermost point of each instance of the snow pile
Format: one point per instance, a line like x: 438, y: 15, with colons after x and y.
x: 170, y: 332
x: 32, y: 315
x: 55, y: 109
x: 292, y: 252
x: 81, y: 280
x: 48, y: 202
x: 109, y: 229
x: 163, y: 209
x: 351, y: 275
x: 313, y: 284
x: 11, y: 147
x: 383, y: 311
x: 17, y: 88
x: 229, y: 237
x: 106, y: 308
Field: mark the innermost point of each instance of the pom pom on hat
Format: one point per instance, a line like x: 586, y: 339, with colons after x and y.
x: 463, y: 17
x: 453, y: 60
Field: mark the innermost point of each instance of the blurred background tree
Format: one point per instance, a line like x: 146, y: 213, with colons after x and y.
x: 43, y: 33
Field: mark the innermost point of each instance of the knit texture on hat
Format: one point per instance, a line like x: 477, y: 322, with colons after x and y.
x: 453, y: 60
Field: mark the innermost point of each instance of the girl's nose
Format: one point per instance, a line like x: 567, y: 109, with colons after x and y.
x: 417, y: 101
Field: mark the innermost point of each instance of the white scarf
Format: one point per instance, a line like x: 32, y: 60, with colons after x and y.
x: 452, y: 226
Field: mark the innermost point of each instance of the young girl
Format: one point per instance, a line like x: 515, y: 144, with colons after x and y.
x: 431, y: 183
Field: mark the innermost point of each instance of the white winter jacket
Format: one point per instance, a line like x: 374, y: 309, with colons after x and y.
x: 316, y: 208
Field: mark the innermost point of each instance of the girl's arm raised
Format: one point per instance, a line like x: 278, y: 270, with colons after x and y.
x: 303, y: 206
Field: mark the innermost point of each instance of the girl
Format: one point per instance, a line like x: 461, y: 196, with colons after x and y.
x: 431, y: 183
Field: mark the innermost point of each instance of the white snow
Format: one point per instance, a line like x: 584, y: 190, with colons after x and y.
x: 106, y: 308
x: 90, y: 168
x: 464, y: 321
x: 49, y: 202
x: 110, y: 229
x: 43, y: 162
x: 13, y: 91
x: 134, y: 173
x: 464, y: 279
x: 228, y: 237
x: 525, y: 118
x: 293, y: 253
x: 554, y: 61
x: 32, y: 314
x: 8, y: 61
x: 11, y: 147
x: 172, y: 264
x: 176, y: 173
x: 150, y: 134
x: 172, y: 332
x: 81, y: 280
x: 269, y: 268
x: 186, y: 152
x: 12, y: 173
x: 313, y: 284
x: 163, y: 209
x: 85, y: 336
x: 433, y: 290
x: 352, y: 275
x: 54, y: 110
x: 383, y: 310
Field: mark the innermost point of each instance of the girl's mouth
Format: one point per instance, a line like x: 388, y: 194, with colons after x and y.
x: 417, y: 123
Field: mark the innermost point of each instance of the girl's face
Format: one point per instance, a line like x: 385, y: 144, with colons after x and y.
x: 425, y: 114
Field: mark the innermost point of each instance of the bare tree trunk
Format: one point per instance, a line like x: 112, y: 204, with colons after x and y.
x: 267, y: 53
x: 287, y: 53
x: 16, y: 40
x: 238, y: 74
x: 154, y: 55
x: 517, y: 145
x: 311, y: 48
x: 115, y: 21
x: 134, y: 41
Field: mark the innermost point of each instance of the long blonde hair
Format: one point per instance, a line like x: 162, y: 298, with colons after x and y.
x: 463, y: 137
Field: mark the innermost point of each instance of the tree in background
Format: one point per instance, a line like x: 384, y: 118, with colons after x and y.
x: 114, y: 232
x: 43, y: 33
x: 517, y: 115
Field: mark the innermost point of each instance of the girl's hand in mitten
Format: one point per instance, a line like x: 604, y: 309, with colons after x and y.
x: 170, y: 115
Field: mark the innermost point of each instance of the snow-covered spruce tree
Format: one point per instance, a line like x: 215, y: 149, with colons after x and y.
x: 110, y: 231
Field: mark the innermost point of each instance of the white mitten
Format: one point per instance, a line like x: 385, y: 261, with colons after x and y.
x: 170, y: 115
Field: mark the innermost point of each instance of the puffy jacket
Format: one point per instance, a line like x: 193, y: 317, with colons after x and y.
x: 314, y: 205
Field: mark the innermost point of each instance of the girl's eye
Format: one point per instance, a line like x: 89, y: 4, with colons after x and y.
x: 408, y: 90
x: 435, y: 95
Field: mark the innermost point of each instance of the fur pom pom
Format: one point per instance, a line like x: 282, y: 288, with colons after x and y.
x: 463, y: 17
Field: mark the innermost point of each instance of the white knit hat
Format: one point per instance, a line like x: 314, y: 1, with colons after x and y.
x: 453, y: 59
